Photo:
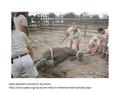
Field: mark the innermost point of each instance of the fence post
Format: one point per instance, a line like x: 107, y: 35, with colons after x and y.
x: 85, y: 29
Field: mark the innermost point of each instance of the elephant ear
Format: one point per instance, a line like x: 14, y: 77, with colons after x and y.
x: 67, y: 50
x: 49, y: 64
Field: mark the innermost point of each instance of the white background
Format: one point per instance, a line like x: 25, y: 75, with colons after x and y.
x: 111, y: 7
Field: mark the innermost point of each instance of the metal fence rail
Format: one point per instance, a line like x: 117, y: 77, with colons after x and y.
x: 85, y: 24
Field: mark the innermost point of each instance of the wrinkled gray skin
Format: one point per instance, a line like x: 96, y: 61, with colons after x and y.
x: 59, y: 55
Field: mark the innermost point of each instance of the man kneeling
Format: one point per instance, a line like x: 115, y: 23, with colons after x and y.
x: 94, y: 45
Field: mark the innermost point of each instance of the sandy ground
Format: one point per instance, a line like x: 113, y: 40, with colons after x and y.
x: 90, y: 67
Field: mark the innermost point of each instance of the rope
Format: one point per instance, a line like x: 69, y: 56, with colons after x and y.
x: 78, y: 53
x: 51, y: 51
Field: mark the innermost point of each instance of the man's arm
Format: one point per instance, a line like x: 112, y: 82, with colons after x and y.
x: 28, y: 43
x: 29, y: 47
x: 64, y: 39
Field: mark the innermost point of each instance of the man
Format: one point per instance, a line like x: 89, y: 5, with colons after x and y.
x: 94, y: 45
x: 59, y: 55
x: 103, y: 36
x: 74, y: 35
x: 16, y: 21
x: 22, y: 52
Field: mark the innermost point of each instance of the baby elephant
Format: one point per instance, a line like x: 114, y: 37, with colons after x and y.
x: 59, y: 55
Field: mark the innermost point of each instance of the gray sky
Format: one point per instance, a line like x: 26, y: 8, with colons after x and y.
x: 76, y: 6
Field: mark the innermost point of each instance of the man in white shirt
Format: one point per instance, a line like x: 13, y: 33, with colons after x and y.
x: 17, y: 23
x: 74, y: 34
x: 94, y: 45
x: 22, y: 51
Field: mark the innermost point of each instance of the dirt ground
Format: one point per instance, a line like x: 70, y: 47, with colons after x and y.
x: 89, y: 67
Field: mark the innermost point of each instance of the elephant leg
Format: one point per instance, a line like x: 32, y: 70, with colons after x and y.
x: 79, y: 57
x: 72, y: 58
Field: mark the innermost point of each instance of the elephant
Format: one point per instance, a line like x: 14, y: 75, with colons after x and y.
x: 59, y: 55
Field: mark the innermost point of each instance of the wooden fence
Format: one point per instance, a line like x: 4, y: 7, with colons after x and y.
x: 85, y: 24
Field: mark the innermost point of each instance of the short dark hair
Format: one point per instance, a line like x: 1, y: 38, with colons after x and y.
x: 100, y: 29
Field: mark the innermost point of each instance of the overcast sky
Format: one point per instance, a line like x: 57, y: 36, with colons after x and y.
x: 76, y: 6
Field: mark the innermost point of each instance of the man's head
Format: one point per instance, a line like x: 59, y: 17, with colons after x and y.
x: 75, y: 27
x: 101, y: 30
x: 95, y: 38
x: 22, y: 23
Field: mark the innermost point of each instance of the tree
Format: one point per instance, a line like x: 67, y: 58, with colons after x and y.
x: 31, y: 16
x: 85, y: 15
x: 51, y: 15
x: 105, y: 16
x: 69, y: 15
x: 95, y: 16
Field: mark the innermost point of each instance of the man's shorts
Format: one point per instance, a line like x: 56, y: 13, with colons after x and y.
x: 22, y: 65
x: 76, y: 40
